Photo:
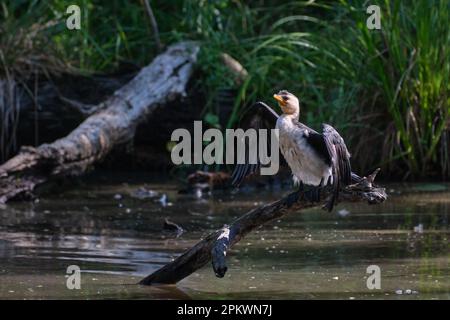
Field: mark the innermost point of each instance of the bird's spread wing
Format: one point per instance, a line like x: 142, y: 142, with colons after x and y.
x: 340, y: 161
x: 258, y: 116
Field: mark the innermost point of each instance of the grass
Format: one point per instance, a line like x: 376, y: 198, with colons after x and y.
x: 402, y: 71
x: 386, y: 91
x: 26, y: 53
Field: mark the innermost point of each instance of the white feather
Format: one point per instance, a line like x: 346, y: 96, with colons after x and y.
x: 305, y: 164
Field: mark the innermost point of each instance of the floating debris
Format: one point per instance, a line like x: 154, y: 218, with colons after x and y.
x: 118, y: 196
x: 209, y: 180
x: 201, y: 183
x: 406, y: 291
x: 163, y: 200
x: 198, y: 193
x: 144, y: 193
x: 343, y: 212
x: 173, y: 227
x: 419, y: 228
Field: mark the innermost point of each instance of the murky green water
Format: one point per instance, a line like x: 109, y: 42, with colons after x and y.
x: 116, y: 239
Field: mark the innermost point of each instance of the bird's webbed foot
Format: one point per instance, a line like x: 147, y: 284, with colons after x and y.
x: 293, y: 198
x: 306, y: 192
x: 311, y: 193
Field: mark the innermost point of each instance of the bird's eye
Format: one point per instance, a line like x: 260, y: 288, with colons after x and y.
x: 285, y: 98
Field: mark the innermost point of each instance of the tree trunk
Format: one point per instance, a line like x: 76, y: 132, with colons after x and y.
x: 113, y: 123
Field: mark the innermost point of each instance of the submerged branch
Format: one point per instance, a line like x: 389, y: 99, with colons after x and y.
x: 215, y: 246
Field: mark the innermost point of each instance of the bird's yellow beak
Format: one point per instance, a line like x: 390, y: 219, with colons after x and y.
x: 279, y: 99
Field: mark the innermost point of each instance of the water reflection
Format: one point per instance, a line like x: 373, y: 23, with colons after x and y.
x: 116, y: 238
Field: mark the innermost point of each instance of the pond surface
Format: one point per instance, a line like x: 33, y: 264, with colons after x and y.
x: 116, y: 238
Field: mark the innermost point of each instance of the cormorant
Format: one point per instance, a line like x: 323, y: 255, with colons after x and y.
x: 315, y: 159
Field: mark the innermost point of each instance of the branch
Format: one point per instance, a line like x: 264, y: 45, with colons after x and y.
x: 84, y: 109
x: 235, y: 68
x: 154, y: 24
x: 215, y: 246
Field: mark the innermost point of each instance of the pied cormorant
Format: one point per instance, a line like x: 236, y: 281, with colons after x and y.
x: 315, y: 159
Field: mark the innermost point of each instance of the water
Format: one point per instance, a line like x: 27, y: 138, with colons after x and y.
x: 117, y: 239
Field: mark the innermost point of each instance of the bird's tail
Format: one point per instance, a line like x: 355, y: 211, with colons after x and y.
x: 329, y: 205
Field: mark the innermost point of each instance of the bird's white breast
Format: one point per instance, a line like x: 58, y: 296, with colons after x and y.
x: 305, y: 164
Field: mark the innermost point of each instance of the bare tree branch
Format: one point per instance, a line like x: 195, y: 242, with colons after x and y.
x: 214, y: 247
x: 154, y: 24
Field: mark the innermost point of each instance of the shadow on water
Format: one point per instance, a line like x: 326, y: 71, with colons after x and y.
x: 114, y: 233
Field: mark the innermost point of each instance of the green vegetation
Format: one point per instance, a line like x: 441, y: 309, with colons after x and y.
x: 386, y: 90
x: 403, y: 74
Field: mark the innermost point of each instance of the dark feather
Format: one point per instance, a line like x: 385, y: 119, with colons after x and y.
x: 340, y: 158
x: 257, y: 116
x: 316, y: 141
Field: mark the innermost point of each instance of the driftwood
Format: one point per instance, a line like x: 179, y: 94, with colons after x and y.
x: 113, y: 123
x: 235, y: 67
x: 214, y: 247
x: 207, y: 181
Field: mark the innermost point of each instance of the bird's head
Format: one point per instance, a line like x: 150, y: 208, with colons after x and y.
x: 288, y: 103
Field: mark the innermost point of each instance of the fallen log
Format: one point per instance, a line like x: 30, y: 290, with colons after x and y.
x: 214, y: 247
x: 114, y: 123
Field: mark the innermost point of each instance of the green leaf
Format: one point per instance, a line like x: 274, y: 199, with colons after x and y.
x: 211, y: 119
